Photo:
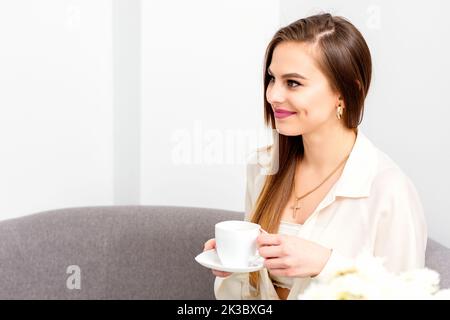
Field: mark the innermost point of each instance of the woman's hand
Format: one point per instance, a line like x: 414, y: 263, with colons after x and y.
x: 291, y: 256
x: 211, y: 244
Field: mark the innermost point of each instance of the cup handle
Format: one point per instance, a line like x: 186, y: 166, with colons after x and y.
x: 256, y: 259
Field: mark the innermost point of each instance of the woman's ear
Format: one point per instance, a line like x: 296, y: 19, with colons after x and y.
x: 340, y: 102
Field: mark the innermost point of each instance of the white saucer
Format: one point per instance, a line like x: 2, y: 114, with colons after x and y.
x: 211, y: 260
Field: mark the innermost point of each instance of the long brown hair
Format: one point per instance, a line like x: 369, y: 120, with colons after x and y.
x: 344, y: 57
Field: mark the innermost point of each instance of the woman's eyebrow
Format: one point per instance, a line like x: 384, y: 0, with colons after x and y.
x: 289, y: 75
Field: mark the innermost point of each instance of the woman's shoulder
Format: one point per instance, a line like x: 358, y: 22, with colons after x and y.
x: 259, y: 165
x: 381, y: 166
x: 389, y: 176
x: 260, y: 158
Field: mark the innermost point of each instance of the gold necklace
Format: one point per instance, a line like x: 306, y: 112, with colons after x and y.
x: 297, y: 199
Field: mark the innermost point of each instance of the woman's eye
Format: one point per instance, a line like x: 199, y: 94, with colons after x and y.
x: 295, y: 83
x: 291, y: 83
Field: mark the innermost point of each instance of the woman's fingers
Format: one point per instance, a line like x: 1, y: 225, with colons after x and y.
x: 275, y: 263
x: 268, y: 239
x: 210, y: 244
x: 222, y: 274
x: 278, y: 267
x: 270, y: 251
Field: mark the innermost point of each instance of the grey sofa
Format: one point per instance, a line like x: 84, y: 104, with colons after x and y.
x: 120, y: 252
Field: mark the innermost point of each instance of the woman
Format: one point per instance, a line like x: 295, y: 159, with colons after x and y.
x: 334, y: 193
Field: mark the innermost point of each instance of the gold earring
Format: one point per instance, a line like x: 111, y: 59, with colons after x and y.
x: 339, y: 111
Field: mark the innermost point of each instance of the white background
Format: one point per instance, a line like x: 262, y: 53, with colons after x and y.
x: 130, y: 102
x: 56, y: 117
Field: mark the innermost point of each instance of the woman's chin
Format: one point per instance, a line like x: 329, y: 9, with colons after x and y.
x: 291, y: 132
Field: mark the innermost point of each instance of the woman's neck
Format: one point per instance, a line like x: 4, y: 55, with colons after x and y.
x: 324, y: 149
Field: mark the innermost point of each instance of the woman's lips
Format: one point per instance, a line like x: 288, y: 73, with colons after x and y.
x: 281, y: 114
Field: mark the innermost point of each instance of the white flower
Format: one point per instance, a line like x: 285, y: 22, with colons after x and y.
x: 442, y: 295
x: 366, y: 278
x: 425, y: 280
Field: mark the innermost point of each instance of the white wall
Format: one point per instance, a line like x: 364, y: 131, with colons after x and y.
x: 127, y: 104
x: 121, y: 102
x: 55, y: 105
x: 407, y: 110
x: 201, y: 98
x: 75, y: 127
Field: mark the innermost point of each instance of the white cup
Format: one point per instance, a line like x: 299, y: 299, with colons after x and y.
x: 236, y: 243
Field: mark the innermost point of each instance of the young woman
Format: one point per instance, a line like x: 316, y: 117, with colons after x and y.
x: 334, y: 193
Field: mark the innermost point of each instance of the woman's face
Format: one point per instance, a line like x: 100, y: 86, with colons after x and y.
x: 308, y: 94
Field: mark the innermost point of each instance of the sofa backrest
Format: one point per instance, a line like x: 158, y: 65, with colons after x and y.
x: 120, y: 252
x: 438, y: 258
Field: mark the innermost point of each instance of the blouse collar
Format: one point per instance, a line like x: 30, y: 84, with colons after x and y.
x: 360, y: 169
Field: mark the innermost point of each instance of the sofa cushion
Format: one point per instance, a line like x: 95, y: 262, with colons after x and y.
x: 123, y: 252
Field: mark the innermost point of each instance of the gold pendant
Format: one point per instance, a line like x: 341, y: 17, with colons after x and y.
x: 295, y: 208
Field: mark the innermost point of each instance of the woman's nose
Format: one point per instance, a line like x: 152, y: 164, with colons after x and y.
x: 275, y: 94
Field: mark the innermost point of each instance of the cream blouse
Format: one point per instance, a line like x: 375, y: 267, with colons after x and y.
x: 372, y: 206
